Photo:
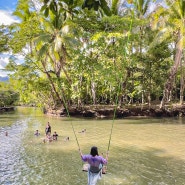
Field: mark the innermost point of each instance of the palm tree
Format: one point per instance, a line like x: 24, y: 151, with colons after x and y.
x: 172, y: 23
x: 57, y: 36
x: 97, y: 5
x: 48, y: 38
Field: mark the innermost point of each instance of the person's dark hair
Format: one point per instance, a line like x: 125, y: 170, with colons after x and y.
x: 94, y: 151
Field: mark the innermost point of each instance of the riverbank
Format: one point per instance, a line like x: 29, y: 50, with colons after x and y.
x: 107, y: 111
x: 6, y: 109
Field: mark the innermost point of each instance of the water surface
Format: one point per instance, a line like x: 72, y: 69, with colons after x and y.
x: 142, y: 151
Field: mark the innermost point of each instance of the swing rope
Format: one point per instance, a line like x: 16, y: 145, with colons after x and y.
x: 119, y: 90
x: 68, y: 115
x: 73, y: 129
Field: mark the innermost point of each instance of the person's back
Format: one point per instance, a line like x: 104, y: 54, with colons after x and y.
x: 96, y: 163
x: 94, y: 160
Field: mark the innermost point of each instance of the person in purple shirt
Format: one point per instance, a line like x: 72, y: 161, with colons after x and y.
x: 96, y: 163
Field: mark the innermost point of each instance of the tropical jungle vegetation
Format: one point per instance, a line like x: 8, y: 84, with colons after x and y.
x: 8, y: 96
x: 97, y: 52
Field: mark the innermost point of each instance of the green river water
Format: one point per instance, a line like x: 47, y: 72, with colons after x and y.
x: 142, y: 151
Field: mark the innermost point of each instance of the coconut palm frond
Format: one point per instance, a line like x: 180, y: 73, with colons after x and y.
x: 114, y: 8
x: 43, y: 38
x: 161, y: 36
x: 43, y: 50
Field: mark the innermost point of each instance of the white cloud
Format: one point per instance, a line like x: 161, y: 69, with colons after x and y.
x: 7, y: 18
x: 20, y: 59
x: 3, y: 62
x: 4, y: 59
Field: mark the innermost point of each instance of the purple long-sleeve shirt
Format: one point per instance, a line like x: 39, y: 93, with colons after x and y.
x: 94, y: 161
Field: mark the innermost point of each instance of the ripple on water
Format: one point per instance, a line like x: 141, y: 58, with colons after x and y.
x: 12, y: 153
x: 132, y: 161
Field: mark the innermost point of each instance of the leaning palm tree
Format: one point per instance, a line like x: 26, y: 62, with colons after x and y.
x: 53, y: 42
x: 53, y: 34
x: 171, y: 22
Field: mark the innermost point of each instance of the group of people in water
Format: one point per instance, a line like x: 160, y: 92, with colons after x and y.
x: 48, y: 136
x: 95, y: 164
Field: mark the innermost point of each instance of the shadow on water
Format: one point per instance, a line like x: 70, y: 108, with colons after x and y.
x: 144, y: 167
x: 126, y: 166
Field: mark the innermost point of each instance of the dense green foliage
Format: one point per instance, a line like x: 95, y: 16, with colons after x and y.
x: 7, y: 95
x: 87, y: 53
x: 4, y: 37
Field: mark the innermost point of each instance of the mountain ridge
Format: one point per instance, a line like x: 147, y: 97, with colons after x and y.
x: 4, y: 78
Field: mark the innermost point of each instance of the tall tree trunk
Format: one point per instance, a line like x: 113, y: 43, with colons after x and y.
x: 142, y: 100
x: 79, y: 103
x: 51, y: 82
x: 150, y: 87
x: 93, y: 90
x: 182, y: 84
x: 63, y: 60
x: 169, y: 84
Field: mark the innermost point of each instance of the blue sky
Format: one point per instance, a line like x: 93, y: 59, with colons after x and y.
x: 8, y: 4
x: 6, y: 18
x: 6, y: 9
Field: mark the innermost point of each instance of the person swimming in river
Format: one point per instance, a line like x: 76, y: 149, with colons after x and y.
x: 82, y: 131
x: 37, y: 133
x: 55, y: 136
x: 6, y: 133
x: 48, y: 138
x: 95, y: 164
x: 66, y: 139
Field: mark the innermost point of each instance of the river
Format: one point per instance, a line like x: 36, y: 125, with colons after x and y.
x: 143, y: 151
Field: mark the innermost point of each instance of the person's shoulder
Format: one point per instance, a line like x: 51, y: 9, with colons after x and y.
x: 87, y: 155
x: 100, y: 157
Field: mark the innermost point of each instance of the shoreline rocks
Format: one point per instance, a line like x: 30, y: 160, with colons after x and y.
x: 6, y: 109
x: 108, y: 112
